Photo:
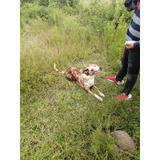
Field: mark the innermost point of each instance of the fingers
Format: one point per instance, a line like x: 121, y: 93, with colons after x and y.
x: 129, y: 45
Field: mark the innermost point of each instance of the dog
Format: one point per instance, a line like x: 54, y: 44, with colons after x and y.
x: 83, y: 78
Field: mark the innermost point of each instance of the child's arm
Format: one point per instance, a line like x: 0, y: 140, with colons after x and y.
x: 130, y: 4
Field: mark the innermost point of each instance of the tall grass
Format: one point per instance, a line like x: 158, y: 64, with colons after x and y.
x: 58, y: 119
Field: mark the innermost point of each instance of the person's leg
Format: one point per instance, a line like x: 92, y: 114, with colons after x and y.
x: 132, y: 71
x: 124, y: 65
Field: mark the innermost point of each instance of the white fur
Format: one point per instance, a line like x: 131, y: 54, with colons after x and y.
x: 94, y: 68
x: 99, y: 98
x: 101, y: 94
x: 90, y: 81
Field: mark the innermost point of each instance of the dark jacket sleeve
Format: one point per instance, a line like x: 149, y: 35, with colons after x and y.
x: 137, y: 45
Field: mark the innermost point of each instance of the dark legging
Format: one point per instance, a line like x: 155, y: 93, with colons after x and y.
x: 130, y: 66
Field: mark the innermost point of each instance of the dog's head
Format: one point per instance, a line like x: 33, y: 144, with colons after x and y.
x: 92, y: 69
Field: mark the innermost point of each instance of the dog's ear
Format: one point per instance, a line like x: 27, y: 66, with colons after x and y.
x: 86, y: 71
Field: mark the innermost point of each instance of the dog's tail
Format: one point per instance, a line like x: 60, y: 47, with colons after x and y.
x: 59, y: 71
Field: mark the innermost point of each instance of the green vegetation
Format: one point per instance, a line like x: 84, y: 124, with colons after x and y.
x: 58, y: 119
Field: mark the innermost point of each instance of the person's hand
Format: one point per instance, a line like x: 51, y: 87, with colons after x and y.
x: 129, y: 45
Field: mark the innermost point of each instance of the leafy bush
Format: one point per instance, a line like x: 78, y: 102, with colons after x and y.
x: 27, y: 1
x: 51, y: 15
x: 98, y: 15
x: 44, y: 3
x: 28, y: 12
x: 71, y: 3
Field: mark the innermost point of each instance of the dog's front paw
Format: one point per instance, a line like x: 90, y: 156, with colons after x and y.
x: 101, y: 94
x: 99, y: 98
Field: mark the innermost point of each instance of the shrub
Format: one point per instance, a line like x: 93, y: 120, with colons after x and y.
x: 71, y: 3
x: 44, y: 3
x: 28, y: 12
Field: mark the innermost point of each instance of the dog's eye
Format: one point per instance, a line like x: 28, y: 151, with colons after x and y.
x: 92, y: 70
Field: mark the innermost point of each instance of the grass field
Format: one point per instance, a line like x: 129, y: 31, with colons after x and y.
x: 59, y: 120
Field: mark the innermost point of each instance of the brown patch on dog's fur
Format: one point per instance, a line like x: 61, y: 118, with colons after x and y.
x: 72, y: 73
x: 86, y: 71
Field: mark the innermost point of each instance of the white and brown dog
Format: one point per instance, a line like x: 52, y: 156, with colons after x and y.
x: 84, y: 78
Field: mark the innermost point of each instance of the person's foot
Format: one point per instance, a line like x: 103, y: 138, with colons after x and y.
x: 123, y: 97
x: 113, y: 79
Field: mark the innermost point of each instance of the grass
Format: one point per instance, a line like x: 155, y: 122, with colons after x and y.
x: 59, y: 120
